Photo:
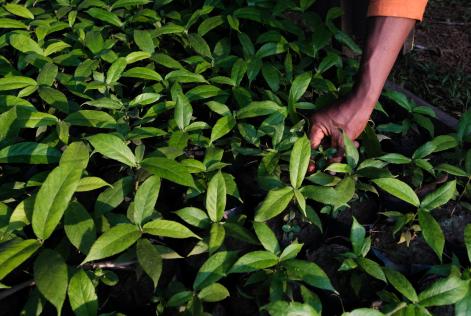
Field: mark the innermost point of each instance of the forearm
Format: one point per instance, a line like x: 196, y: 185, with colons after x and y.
x: 385, y: 41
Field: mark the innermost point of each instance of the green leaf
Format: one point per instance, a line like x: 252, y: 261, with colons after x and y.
x: 55, y: 98
x: 444, y: 292
x: 47, y: 75
x: 19, y: 10
x: 308, y: 272
x: 75, y: 154
x: 146, y: 197
x: 399, y: 189
x: 91, y: 118
x: 90, y: 184
x: 467, y: 240
x: 53, y: 198
x: 82, y: 296
x: 357, y: 236
x: 166, y: 228
x: 213, y: 293
x: 169, y: 169
x: 396, y: 159
x: 128, y: 3
x: 105, y: 103
x: 281, y: 308
x: 401, y: 284
x: 16, y: 82
x: 194, y: 216
x: 15, y: 253
x: 372, y: 268
x: 105, y: 16
x: 6, y: 23
x: 222, y: 127
x: 199, y: 45
x: 216, y: 197
x: 432, y: 232
x: 299, y: 161
x: 254, y: 261
x: 137, y: 56
x: 183, y: 111
x: 113, y: 241
x: 149, y: 259
x: 291, y: 251
x: 463, y: 307
x: 453, y: 170
x: 267, y: 237
x: 79, y: 227
x: 29, y: 153
x: 50, y: 276
x: 364, y: 312
x: 25, y: 44
x: 337, y: 197
x: 299, y: 87
x: 209, y: 24
x: 216, y: 237
x: 115, y: 71
x: 276, y: 202
x: 260, y: 108
x: 113, y: 147
x: 351, y: 152
x: 439, y: 197
x: 270, y: 49
x: 169, y: 29
x: 143, y: 73
x: 214, y: 268
x: 114, y: 196
x: 272, y: 76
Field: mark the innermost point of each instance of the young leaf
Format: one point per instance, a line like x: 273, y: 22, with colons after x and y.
x: 91, y: 118
x: 432, y: 232
x: 114, y: 196
x: 439, y: 197
x: 357, y: 236
x: 223, y: 126
x: 113, y: 147
x: 149, y: 259
x: 82, y: 296
x: 291, y: 251
x: 216, y: 197
x: 113, y: 241
x: 194, y: 216
x: 401, y: 284
x: 444, y: 292
x: 213, y: 293
x: 169, y: 169
x: 299, y: 161
x: 183, y: 111
x: 372, y: 268
x: 165, y: 228
x: 146, y: 197
x: 214, y: 268
x: 50, y: 276
x: 254, y: 261
x: 19, y: 10
x: 308, y: 272
x: 115, y: 71
x: 15, y: 253
x: 216, y: 237
x: 276, y: 202
x: 351, y: 152
x: 29, y: 153
x: 267, y: 237
x: 399, y: 189
x: 467, y: 240
x: 53, y: 198
x: 79, y: 227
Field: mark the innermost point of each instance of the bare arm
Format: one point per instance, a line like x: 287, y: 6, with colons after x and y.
x: 385, y: 40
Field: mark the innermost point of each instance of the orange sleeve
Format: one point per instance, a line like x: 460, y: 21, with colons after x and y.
x: 413, y: 9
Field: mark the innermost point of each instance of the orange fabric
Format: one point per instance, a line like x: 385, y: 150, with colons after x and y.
x: 413, y: 9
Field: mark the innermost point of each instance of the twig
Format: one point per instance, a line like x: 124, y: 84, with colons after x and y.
x: 109, y: 265
x: 16, y: 288
x: 449, y: 23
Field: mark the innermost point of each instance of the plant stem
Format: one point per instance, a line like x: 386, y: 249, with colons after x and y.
x: 5, y: 293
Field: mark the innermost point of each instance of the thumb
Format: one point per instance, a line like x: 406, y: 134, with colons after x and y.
x: 317, y: 135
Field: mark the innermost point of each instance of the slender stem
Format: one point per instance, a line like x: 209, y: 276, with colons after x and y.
x: 5, y: 293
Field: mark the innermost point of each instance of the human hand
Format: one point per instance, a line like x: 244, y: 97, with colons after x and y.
x: 349, y: 115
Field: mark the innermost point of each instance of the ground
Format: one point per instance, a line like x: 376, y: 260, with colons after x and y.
x: 439, y: 67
